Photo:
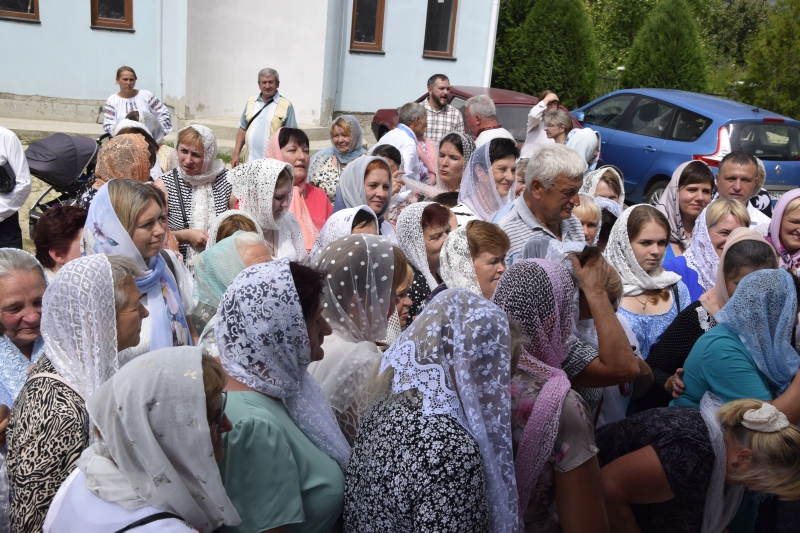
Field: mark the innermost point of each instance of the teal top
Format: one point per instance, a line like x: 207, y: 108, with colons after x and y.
x: 273, y: 473
x: 720, y: 363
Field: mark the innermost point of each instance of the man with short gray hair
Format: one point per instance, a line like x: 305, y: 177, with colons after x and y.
x: 412, y: 121
x: 482, y: 120
x: 263, y: 115
x: 552, y: 181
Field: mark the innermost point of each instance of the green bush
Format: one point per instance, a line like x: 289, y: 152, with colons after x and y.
x: 667, y: 51
x: 615, y: 24
x: 553, y: 48
x: 773, y: 76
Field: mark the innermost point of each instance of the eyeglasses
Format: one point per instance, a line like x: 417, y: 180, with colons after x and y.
x: 221, y: 415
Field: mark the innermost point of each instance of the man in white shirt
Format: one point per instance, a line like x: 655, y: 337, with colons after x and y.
x: 442, y: 117
x: 263, y: 115
x: 738, y: 178
x: 482, y: 120
x: 15, y: 177
x: 412, y: 122
x: 536, y: 137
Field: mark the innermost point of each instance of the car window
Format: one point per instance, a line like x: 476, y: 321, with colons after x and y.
x: 650, y: 118
x: 514, y: 119
x: 608, y: 112
x: 458, y: 103
x: 766, y: 140
x: 689, y: 126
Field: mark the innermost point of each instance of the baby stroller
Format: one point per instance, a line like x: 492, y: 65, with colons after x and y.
x: 64, y: 162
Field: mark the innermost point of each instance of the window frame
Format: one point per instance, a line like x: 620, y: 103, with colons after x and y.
x: 433, y: 54
x: 377, y: 46
x: 16, y: 16
x: 99, y: 23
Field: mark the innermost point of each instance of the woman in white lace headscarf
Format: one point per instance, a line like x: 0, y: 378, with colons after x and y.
x: 698, y: 265
x: 652, y: 296
x: 196, y: 189
x: 488, y: 181
x: 91, y: 312
x: 349, y: 221
x: 444, y: 386
x: 357, y: 302
x: 264, y: 190
x: 230, y: 222
x: 270, y: 328
x: 473, y: 257
x: 421, y: 230
x: 154, y: 455
x: 367, y: 181
x: 606, y: 182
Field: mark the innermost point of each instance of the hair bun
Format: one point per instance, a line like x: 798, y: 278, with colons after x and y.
x: 767, y: 419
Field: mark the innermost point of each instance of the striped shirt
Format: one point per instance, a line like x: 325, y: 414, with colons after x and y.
x: 447, y: 120
x: 521, y: 226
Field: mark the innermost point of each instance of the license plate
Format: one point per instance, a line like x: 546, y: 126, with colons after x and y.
x: 776, y: 195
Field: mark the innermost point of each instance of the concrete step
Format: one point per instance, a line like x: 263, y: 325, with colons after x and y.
x: 226, y: 128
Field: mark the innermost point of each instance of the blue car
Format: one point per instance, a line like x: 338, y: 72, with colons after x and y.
x: 648, y: 133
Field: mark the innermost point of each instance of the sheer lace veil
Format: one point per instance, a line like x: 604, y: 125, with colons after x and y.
x: 478, y: 189
x: 456, y: 354
x: 254, y: 185
x: 411, y: 238
x: 456, y: 267
x: 337, y: 226
x: 701, y: 256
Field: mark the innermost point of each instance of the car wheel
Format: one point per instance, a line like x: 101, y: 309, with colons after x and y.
x: 653, y: 194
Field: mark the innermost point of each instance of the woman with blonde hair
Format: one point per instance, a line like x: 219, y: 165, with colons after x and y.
x: 784, y: 230
x: 698, y: 265
x: 681, y: 469
x: 326, y: 166
x: 588, y: 212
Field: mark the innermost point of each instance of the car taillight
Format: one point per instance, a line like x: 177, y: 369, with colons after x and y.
x: 778, y: 120
x: 723, y: 149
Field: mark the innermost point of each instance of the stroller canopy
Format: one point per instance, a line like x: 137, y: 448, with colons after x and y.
x: 60, y: 159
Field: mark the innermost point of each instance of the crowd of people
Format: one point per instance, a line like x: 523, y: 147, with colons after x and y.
x: 443, y: 332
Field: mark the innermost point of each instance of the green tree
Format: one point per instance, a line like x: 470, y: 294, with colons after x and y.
x: 553, y: 48
x: 615, y: 24
x: 667, y: 51
x: 773, y: 76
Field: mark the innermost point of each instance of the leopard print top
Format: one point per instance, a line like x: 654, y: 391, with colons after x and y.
x: 47, y: 430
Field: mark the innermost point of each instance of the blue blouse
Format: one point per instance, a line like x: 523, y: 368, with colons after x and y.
x: 688, y: 276
x: 14, y: 368
x: 648, y: 328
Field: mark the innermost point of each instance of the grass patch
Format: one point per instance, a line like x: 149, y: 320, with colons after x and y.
x: 225, y: 157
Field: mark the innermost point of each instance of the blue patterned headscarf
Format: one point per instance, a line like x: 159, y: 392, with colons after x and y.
x: 762, y: 312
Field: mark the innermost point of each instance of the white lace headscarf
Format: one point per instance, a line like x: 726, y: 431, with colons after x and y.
x: 701, y: 255
x: 155, y: 447
x: 592, y: 179
x: 254, y: 186
x: 456, y: 267
x: 263, y: 343
x: 337, y: 226
x: 79, y: 323
x: 411, y: 239
x: 457, y: 354
x: 212, y: 233
x: 619, y: 254
x: 203, y: 212
x: 478, y: 188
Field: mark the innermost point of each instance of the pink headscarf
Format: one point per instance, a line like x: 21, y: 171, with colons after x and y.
x: 715, y: 299
x: 298, y: 206
x: 538, y: 294
x: 787, y: 260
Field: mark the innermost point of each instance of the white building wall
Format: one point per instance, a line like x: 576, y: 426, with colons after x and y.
x: 229, y: 42
x: 371, y: 82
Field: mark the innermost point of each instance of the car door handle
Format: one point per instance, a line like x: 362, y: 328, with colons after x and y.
x: 649, y: 149
x: 602, y: 142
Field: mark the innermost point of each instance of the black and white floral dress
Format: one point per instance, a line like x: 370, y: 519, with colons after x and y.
x: 414, y: 473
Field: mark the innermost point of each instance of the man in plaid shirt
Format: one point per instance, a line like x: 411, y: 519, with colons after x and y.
x: 442, y: 117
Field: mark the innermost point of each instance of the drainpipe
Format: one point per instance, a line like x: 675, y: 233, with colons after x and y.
x: 487, y: 73
x: 160, y: 46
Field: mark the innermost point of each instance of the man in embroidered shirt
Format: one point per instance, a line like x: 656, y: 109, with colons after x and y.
x: 412, y: 121
x: 263, y: 115
x: 442, y: 117
x: 536, y: 137
x: 552, y: 181
x: 482, y: 120
x: 738, y: 178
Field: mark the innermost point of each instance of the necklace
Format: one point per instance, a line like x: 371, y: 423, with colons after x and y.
x: 644, y: 305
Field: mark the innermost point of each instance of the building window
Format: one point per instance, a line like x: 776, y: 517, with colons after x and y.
x: 22, y: 10
x: 112, y: 14
x: 366, y: 33
x: 440, y: 28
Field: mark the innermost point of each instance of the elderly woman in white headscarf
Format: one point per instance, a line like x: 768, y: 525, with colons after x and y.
x: 326, y: 166
x: 606, y: 182
x: 367, y: 181
x: 196, y: 189
x: 170, y: 475
x: 269, y: 329
x: 473, y: 257
x: 91, y: 312
x: 488, y: 183
x: 351, y: 221
x: 444, y: 385
x: 358, y: 300
x: 264, y: 190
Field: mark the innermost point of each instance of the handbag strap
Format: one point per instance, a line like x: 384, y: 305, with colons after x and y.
x: 148, y: 519
x: 180, y: 199
x: 256, y: 115
x: 676, y: 296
